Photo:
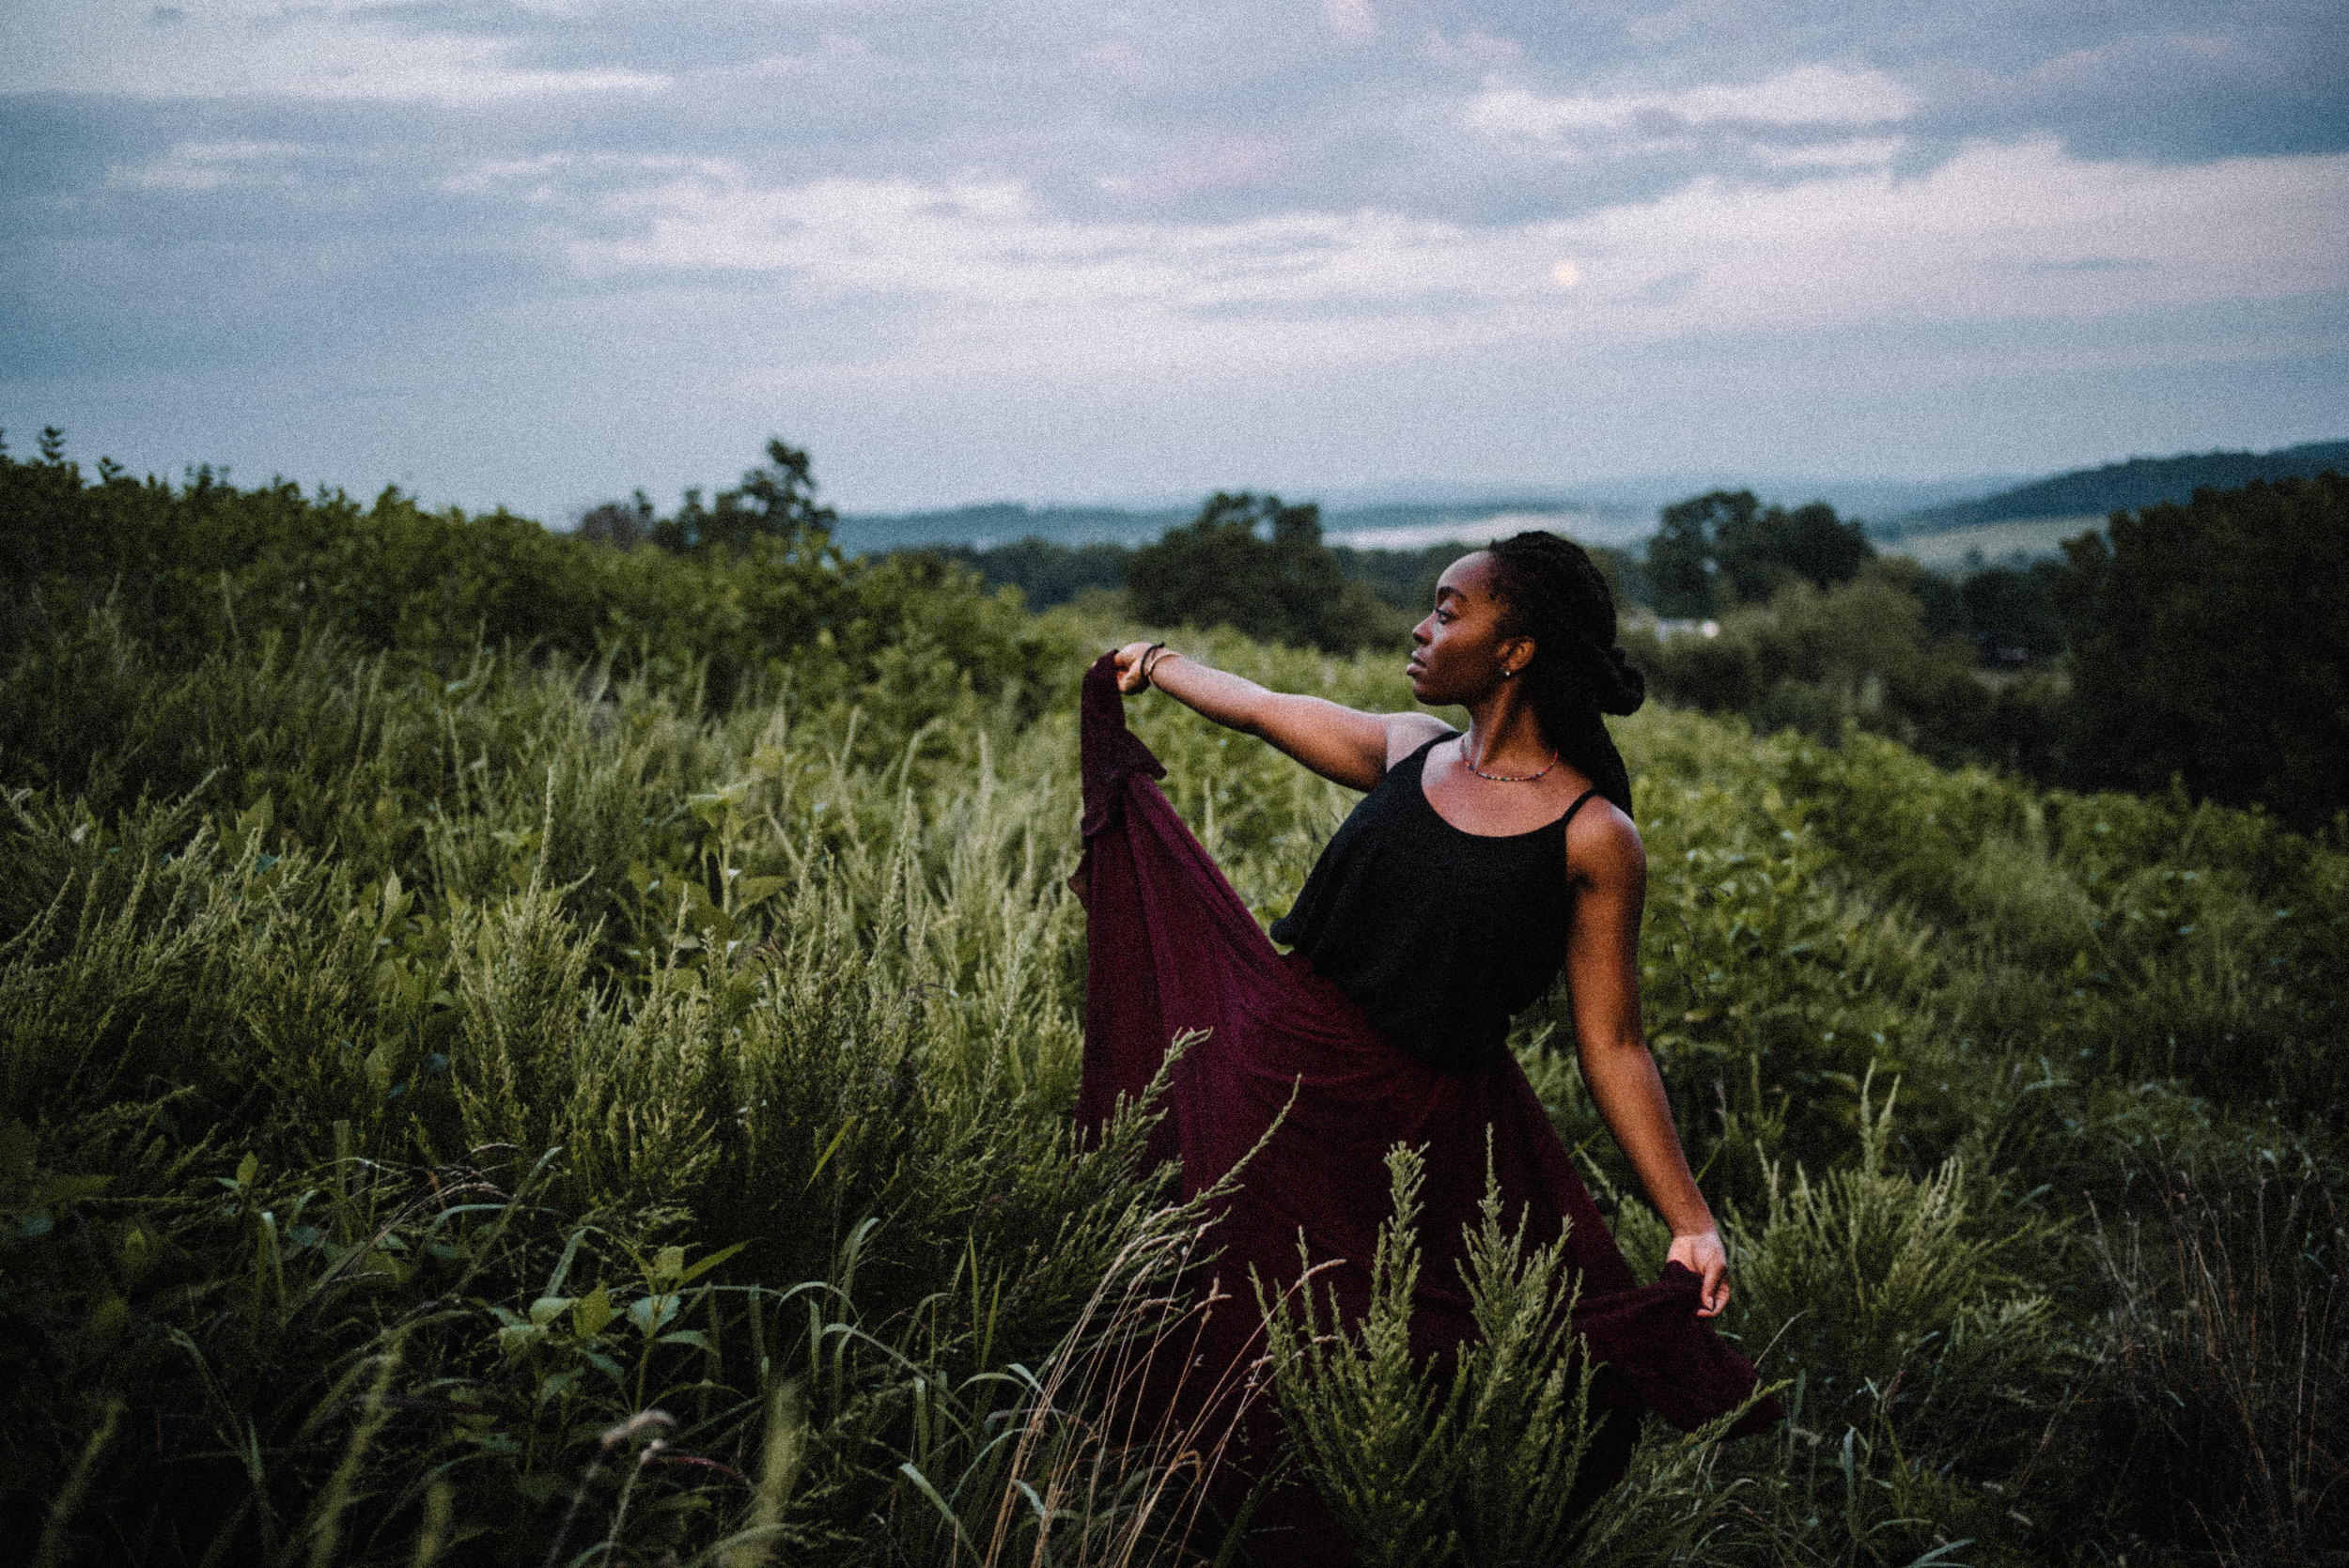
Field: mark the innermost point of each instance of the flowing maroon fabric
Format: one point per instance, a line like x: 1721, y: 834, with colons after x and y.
x: 1172, y: 948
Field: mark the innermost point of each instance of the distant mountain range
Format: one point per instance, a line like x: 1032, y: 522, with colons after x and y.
x: 2097, y: 492
x: 1623, y: 512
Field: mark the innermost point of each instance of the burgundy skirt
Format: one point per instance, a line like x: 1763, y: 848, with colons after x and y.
x: 1172, y: 949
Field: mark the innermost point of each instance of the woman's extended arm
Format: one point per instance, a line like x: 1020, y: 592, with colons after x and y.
x: 1602, y: 969
x: 1339, y: 743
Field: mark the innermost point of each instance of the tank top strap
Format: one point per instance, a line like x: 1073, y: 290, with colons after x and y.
x: 1417, y: 761
x: 1567, y: 821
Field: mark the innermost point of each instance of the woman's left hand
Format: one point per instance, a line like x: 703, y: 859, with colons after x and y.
x: 1703, y: 1256
x: 1131, y: 677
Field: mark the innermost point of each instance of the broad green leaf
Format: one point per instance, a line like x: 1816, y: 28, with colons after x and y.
x: 591, y: 1312
x: 753, y: 889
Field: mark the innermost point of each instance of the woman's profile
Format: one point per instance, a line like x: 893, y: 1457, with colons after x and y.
x: 1477, y: 866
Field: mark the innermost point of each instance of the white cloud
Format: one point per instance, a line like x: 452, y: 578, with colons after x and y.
x: 553, y: 174
x: 1350, y: 19
x: 1474, y: 50
x: 1996, y: 232
x: 1809, y: 96
x: 196, y: 166
x: 253, y: 48
x: 1858, y: 152
x: 978, y: 273
x: 987, y: 242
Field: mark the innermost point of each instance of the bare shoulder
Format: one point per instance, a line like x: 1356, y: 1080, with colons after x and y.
x: 1603, y: 849
x: 1408, y: 731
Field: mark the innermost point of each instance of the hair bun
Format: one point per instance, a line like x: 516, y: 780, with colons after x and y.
x: 1624, y: 688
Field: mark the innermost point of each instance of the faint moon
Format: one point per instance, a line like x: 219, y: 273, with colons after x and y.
x: 1567, y: 273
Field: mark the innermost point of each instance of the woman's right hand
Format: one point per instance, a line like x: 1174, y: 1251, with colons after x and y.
x: 1129, y: 676
x: 1703, y: 1256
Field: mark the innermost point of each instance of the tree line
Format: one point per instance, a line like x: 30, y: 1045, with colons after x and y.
x: 2195, y: 644
x: 2191, y: 643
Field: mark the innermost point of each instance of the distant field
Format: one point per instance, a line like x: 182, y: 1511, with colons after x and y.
x: 2029, y: 538
x: 1590, y: 526
x: 1395, y: 526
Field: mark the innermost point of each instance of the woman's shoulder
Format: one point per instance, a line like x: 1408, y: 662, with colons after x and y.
x: 1603, y: 844
x: 1409, y: 734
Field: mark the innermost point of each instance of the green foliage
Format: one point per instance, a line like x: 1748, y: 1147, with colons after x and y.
x: 205, y: 567
x: 1725, y: 548
x: 1861, y: 653
x: 1885, y: 1291
x: 1920, y: 1378
x: 589, y: 920
x: 2211, y: 645
x: 1424, y: 1463
x: 1046, y: 574
x: 1259, y: 565
x: 2198, y: 642
x: 2011, y: 614
x: 489, y: 1092
x: 2228, y: 1343
x: 773, y: 503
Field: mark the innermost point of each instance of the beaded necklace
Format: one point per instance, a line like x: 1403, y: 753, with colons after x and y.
x: 1503, y: 778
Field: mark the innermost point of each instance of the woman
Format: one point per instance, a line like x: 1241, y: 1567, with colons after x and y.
x: 1478, y: 865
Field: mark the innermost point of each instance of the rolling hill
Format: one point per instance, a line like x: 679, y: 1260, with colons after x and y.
x: 2095, y: 494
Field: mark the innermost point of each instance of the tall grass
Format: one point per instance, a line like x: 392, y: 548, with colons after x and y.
x: 2227, y: 1350
x: 488, y: 1108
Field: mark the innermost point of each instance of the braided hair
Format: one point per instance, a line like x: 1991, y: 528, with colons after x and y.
x: 1550, y: 592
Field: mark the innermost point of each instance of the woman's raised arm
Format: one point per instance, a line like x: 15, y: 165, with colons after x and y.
x: 1342, y: 744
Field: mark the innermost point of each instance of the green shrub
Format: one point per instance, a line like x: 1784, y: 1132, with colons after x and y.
x: 1424, y: 1463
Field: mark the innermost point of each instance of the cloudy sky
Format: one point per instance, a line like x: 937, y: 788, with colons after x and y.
x: 538, y: 252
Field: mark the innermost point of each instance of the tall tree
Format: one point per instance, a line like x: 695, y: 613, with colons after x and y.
x: 1759, y: 553
x: 1725, y: 548
x: 775, y: 501
x: 2211, y: 642
x: 1680, y: 564
x: 2011, y: 614
x: 1258, y: 564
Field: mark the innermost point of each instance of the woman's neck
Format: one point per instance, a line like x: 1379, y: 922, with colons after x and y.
x: 1503, y: 736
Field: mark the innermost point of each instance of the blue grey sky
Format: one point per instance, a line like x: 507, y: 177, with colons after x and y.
x: 538, y: 251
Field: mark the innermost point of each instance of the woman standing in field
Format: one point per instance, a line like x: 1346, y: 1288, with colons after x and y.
x: 1478, y: 865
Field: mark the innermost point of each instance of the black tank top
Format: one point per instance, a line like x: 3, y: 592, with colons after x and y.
x: 1438, y: 934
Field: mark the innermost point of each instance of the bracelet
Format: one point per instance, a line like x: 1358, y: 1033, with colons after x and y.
x: 1145, y: 661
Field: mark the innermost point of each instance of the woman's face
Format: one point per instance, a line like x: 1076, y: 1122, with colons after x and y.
x: 1458, y: 652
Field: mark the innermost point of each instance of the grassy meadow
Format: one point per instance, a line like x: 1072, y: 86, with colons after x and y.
x: 470, y: 1097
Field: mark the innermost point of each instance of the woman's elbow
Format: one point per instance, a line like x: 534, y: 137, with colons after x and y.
x: 1604, y: 1049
